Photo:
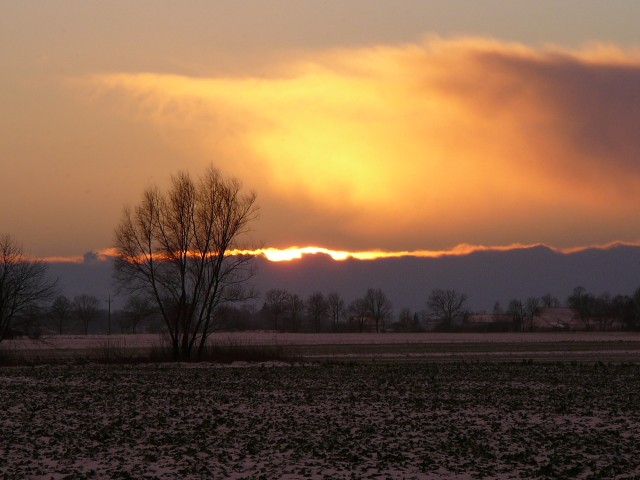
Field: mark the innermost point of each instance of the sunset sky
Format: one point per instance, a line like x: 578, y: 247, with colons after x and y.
x: 362, y: 125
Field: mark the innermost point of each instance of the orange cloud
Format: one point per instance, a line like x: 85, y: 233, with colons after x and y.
x: 430, y: 144
x: 295, y: 253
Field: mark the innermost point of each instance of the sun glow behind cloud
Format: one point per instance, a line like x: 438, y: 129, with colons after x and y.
x: 296, y: 253
x: 428, y: 144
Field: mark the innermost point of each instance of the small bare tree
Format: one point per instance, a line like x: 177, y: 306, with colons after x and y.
x: 583, y: 305
x: 295, y: 309
x: 276, y: 301
x: 379, y: 306
x: 359, y: 313
x: 136, y: 309
x: 408, y: 321
x: 549, y: 301
x: 336, y: 307
x: 61, y: 310
x: 532, y: 309
x: 86, y: 307
x: 516, y: 310
x: 174, y: 248
x: 24, y: 284
x: 317, y: 309
x: 446, y: 306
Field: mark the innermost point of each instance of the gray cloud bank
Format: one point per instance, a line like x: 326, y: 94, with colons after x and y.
x: 485, y: 276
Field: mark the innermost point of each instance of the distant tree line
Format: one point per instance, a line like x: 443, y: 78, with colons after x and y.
x: 284, y: 311
x: 174, y: 266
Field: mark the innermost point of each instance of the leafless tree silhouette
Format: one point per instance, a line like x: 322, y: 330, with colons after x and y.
x: 61, y: 309
x: 549, y: 301
x: 317, y: 309
x: 24, y: 283
x: 380, y: 307
x: 174, y: 248
x: 446, y: 305
x: 516, y: 310
x: 276, y: 301
x: 359, y: 313
x: 295, y: 309
x: 336, y: 309
x: 136, y: 309
x: 86, y: 308
x: 582, y: 303
x: 532, y: 308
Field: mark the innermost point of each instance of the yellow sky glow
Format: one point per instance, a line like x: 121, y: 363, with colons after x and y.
x: 437, y: 143
x: 361, y: 126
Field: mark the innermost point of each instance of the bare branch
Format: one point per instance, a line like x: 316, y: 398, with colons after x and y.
x: 23, y: 283
x: 174, y: 251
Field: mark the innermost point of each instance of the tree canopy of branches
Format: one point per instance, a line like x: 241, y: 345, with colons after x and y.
x: 336, y: 307
x: 317, y: 309
x: 408, y: 321
x: 359, y: 313
x: 379, y: 306
x: 276, y: 302
x: 605, y: 309
x: 549, y: 301
x: 582, y: 303
x: 174, y: 248
x: 24, y: 283
x: 532, y: 308
x: 136, y: 309
x: 295, y: 309
x: 446, y: 305
x: 516, y: 309
x: 60, y: 310
x: 86, y: 307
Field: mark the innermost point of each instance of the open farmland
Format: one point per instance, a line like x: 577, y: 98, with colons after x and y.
x: 388, y: 347
x: 356, y: 420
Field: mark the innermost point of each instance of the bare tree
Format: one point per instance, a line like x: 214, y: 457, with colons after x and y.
x: 624, y: 311
x: 603, y: 310
x: 497, y: 313
x: 61, y: 310
x: 295, y: 309
x: 86, y: 307
x: 532, y: 308
x: 175, y: 248
x: 359, y: 313
x: 336, y: 309
x: 379, y: 306
x: 317, y: 309
x: 408, y: 321
x: 635, y: 299
x: 516, y: 310
x: 582, y: 303
x: 136, y: 309
x: 446, y: 305
x: 276, y: 301
x: 549, y: 301
x: 24, y: 284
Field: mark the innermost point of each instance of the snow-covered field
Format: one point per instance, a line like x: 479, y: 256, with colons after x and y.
x: 276, y: 338
x: 334, y: 421
x: 607, y: 346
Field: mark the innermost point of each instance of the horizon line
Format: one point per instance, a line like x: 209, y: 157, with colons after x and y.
x: 293, y: 253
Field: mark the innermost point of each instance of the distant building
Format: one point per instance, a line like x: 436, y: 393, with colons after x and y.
x: 557, y: 318
x: 361, y: 323
x: 553, y: 318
